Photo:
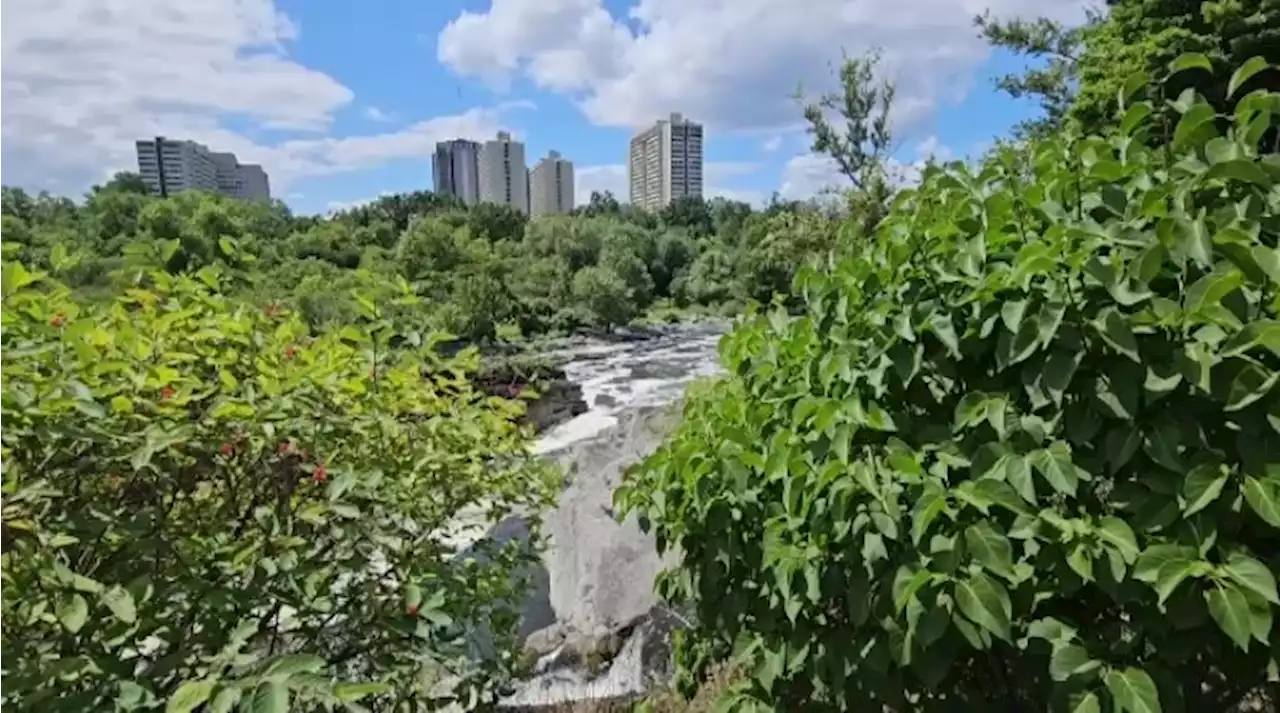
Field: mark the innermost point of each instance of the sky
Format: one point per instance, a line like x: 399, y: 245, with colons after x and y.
x: 343, y: 100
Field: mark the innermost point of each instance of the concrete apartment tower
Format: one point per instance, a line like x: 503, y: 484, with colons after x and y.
x: 551, y: 186
x: 665, y: 163
x: 170, y: 166
x: 455, y: 166
x: 504, y: 177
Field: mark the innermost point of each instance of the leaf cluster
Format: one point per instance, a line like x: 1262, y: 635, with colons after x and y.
x: 207, y: 506
x: 1022, y: 452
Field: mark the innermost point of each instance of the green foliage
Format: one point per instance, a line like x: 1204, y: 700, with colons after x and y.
x: 474, y: 267
x: 1086, y: 68
x: 208, y: 506
x: 1022, y: 452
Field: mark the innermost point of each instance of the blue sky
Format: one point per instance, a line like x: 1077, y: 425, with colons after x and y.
x: 341, y: 101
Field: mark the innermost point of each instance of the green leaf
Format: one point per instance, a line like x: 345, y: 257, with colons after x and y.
x: 1195, y: 117
x: 984, y: 602
x: 990, y: 548
x: 1154, y: 558
x: 1118, y: 534
x: 1056, y: 467
x: 1170, y: 576
x: 16, y: 277
x: 189, y: 696
x: 1134, y: 116
x: 120, y: 602
x: 1115, y: 331
x: 1202, y: 487
x: 226, y: 699
x: 1133, y: 691
x: 348, y: 692
x: 270, y: 697
x: 1058, y: 371
x: 72, y: 613
x: 1071, y: 660
x: 1190, y: 60
x: 1011, y: 313
x: 1253, y: 575
x: 1241, y: 169
x: 1230, y: 610
x: 290, y: 664
x: 1194, y: 241
x: 1263, y: 500
x: 1244, y: 72
x: 1264, y: 333
x: 1087, y: 703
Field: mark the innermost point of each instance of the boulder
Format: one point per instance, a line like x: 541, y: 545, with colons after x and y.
x: 611, y: 634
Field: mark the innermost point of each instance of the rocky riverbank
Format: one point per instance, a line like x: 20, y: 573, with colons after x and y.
x: 595, y: 629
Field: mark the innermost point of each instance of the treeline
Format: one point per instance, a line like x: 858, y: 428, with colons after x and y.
x: 480, y: 270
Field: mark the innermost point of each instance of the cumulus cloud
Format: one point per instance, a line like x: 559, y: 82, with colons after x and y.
x: 373, y: 113
x: 613, y: 177
x: 733, y: 64
x: 84, y: 79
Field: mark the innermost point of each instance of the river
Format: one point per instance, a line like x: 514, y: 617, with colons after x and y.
x: 622, y: 375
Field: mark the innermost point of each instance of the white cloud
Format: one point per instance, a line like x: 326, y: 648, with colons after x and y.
x: 84, y: 79
x: 613, y: 177
x: 373, y: 113
x: 730, y: 63
x: 771, y: 144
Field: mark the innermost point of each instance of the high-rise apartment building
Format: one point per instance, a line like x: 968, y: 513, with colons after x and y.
x: 665, y: 163
x: 504, y: 177
x: 171, y: 165
x: 551, y: 186
x: 455, y: 167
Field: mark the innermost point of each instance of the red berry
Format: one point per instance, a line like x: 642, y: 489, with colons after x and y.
x: 319, y: 474
x: 411, y: 610
x: 285, y: 448
x: 290, y: 352
x: 228, y: 450
x: 58, y: 320
x: 167, y: 393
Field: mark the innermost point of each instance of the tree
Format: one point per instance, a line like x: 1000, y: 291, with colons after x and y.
x: 1053, y: 84
x: 123, y: 182
x: 1087, y: 66
x: 691, y: 213
x: 604, y: 295
x: 494, y: 222
x: 860, y: 142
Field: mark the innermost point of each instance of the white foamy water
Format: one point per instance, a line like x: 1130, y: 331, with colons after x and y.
x: 615, y: 377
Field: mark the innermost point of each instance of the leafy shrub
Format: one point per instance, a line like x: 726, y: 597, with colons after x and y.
x: 204, y: 503
x: 1022, y: 452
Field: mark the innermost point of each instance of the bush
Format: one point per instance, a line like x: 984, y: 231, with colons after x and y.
x: 204, y: 503
x: 1022, y: 452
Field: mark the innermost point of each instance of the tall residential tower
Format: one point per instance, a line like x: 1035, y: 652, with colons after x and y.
x: 504, y: 177
x: 665, y: 163
x: 456, y: 169
x: 551, y: 186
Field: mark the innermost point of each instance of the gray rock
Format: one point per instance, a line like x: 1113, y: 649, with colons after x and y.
x: 601, y: 571
x: 613, y: 633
